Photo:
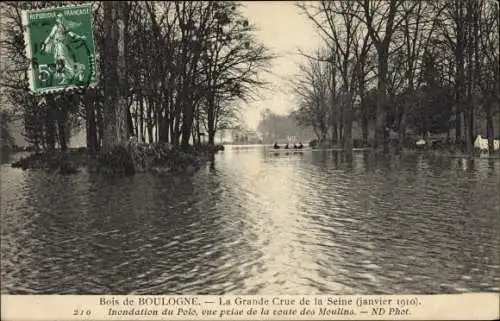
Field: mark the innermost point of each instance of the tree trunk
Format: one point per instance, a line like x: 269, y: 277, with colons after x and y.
x: 341, y: 125
x: 122, y: 103
x: 402, y: 129
x: 187, y: 123
x: 364, y: 112
x: 91, y: 130
x: 381, y: 101
x: 198, y: 131
x: 489, y: 129
x: 100, y: 128
x: 211, y: 121
x: 172, y: 132
x: 115, y: 125
x: 110, y: 78
x: 149, y: 120
x: 471, y: 126
x: 162, y: 128
x: 335, y: 136
x: 135, y: 120
x: 211, y: 137
x: 460, y: 76
x: 166, y: 119
x: 177, y: 133
x: 470, y: 80
x: 157, y: 124
x: 316, y: 132
x: 458, y: 113
x: 364, y: 128
x: 130, y: 123
x: 141, y: 119
x: 50, y: 124
x: 347, y: 106
x: 62, y: 127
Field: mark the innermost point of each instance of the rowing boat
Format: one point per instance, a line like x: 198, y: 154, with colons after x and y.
x: 288, y: 150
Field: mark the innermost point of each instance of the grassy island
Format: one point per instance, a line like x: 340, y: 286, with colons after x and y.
x: 125, y: 159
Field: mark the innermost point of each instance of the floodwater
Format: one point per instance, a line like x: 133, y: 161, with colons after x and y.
x: 257, y: 223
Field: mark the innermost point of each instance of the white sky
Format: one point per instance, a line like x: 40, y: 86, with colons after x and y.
x: 283, y: 29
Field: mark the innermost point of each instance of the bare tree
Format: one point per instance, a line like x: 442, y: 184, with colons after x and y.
x: 115, y: 130
x: 311, y: 86
x: 383, y: 19
x: 418, y: 28
x: 487, y: 55
x: 349, y: 44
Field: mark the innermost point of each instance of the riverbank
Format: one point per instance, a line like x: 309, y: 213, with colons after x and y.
x: 127, y: 159
x: 477, y: 154
x: 441, y: 149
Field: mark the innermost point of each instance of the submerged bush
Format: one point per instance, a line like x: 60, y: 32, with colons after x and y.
x: 54, y: 161
x: 313, y: 143
x: 126, y: 159
x: 117, y: 160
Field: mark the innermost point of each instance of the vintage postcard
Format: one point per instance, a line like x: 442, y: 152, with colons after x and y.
x: 241, y: 160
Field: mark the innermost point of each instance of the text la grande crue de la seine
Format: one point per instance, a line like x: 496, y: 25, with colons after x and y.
x: 253, y: 301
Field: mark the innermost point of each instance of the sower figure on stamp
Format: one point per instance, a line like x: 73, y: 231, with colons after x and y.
x: 56, y: 44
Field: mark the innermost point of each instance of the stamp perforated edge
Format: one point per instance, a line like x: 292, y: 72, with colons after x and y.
x: 27, y: 48
x: 29, y: 55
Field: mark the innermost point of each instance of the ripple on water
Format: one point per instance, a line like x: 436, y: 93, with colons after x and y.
x: 256, y: 224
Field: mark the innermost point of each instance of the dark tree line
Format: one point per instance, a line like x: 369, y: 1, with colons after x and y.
x: 429, y: 66
x: 168, y: 72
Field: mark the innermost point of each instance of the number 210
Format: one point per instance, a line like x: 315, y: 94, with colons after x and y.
x: 81, y: 312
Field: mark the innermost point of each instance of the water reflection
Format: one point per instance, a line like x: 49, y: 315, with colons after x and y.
x: 254, y: 222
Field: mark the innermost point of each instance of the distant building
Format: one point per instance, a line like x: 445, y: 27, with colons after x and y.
x: 245, y: 136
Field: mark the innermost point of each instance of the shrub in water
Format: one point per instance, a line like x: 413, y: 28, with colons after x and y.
x: 118, y: 160
x: 357, y: 143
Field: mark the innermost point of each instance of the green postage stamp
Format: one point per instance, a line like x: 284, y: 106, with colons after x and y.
x: 60, y: 46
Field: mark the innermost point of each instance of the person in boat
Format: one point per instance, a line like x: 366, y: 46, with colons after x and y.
x: 276, y: 146
x: 286, y: 146
x: 300, y: 146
